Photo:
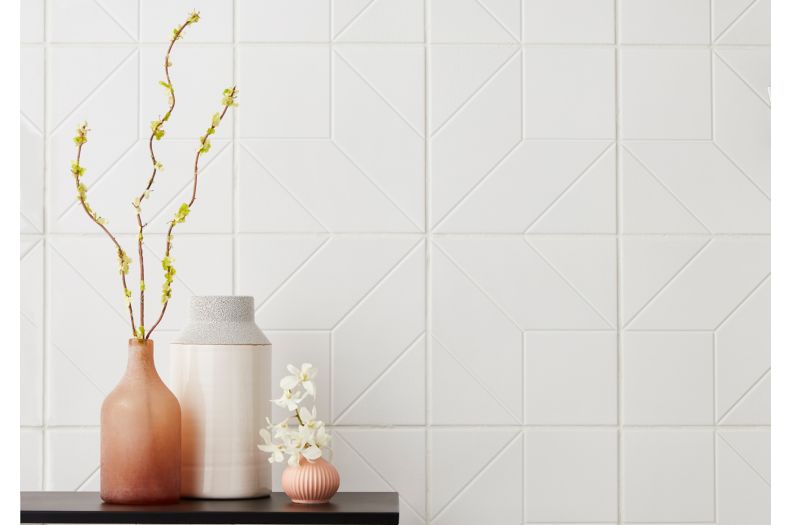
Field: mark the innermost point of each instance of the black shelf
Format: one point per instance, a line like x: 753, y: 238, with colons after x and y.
x: 371, y: 508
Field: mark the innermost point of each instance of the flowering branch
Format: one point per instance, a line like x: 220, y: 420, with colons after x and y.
x: 157, y: 132
x: 228, y: 101
x: 82, y: 195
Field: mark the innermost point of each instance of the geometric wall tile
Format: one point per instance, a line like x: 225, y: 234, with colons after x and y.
x: 284, y: 20
x: 473, y: 21
x: 330, y: 186
x: 31, y: 331
x: 665, y: 22
x: 569, y: 21
x: 368, y: 347
x: 709, y: 288
x: 665, y: 93
x: 571, y: 476
x: 742, y: 483
x: 32, y: 139
x: 73, y: 458
x: 378, y: 20
x: 475, y: 140
x: 707, y: 184
x: 537, y: 189
x: 371, y: 128
x: 571, y: 378
x: 469, y: 488
x: 668, y: 378
x: 726, y: 13
x: 569, y: 93
x: 742, y: 114
x: 92, y: 20
x: 754, y: 407
x: 743, y: 350
x: 751, y: 26
x: 668, y: 476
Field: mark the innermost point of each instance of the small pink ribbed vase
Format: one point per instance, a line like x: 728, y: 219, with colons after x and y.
x: 311, y: 482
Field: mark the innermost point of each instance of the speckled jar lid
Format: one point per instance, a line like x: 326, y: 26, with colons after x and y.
x: 221, y: 320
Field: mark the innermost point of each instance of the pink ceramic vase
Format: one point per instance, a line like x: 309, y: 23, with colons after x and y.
x: 140, y: 435
x: 311, y: 481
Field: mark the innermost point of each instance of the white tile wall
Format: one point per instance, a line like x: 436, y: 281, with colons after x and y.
x: 525, y: 241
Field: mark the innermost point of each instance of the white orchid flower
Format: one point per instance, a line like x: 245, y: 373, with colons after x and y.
x: 303, y: 376
x: 289, y: 399
x: 308, y: 418
x: 275, y: 450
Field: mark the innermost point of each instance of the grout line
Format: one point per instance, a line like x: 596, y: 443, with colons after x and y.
x: 46, y: 322
x: 618, y: 267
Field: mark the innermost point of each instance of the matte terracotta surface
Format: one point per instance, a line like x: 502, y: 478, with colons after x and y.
x: 311, y: 482
x: 140, y: 435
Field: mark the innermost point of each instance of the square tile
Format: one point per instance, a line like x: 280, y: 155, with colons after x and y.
x: 289, y: 91
x: 665, y: 93
x: 284, y: 20
x: 93, y: 21
x: 72, y: 458
x: 159, y: 18
x: 665, y: 21
x: 31, y: 331
x: 668, y: 476
x: 570, y: 378
x: 472, y: 21
x: 569, y: 21
x: 569, y: 93
x: 379, y: 21
x: 571, y: 476
x: 668, y: 378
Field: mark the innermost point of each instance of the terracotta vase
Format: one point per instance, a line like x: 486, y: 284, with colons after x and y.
x: 140, y: 435
x: 311, y: 482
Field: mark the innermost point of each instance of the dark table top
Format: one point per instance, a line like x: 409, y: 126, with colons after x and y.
x: 372, y: 508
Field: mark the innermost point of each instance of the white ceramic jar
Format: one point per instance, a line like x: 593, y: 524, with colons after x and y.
x: 220, y: 369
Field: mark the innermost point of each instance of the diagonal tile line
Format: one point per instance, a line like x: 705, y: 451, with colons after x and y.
x: 95, y: 90
x: 735, y: 21
x: 477, y: 285
x: 569, y: 284
x: 293, y: 274
x: 479, y: 183
x: 735, y: 72
x: 666, y: 188
x: 476, y: 379
x: 375, y: 185
x: 27, y: 318
x: 742, y: 302
x: 400, y: 262
x: 379, y: 377
x: 31, y: 123
x: 670, y: 281
x: 189, y: 183
x: 569, y: 187
x: 376, y: 471
x: 726, y: 156
x: 501, y: 452
x: 748, y: 464
x: 102, y: 176
x: 85, y: 482
x: 29, y: 222
x: 119, y: 24
x: 517, y: 39
x: 23, y: 255
x: 744, y: 395
x: 364, y: 79
x: 260, y: 163
x: 354, y: 19
x: 475, y: 93
x: 80, y: 370
x: 90, y: 285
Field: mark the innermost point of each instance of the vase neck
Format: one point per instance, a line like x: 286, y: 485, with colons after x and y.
x: 140, y: 361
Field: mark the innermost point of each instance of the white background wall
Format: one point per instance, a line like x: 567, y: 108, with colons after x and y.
x: 525, y: 241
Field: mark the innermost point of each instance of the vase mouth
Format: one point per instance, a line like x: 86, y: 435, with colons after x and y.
x: 137, y: 343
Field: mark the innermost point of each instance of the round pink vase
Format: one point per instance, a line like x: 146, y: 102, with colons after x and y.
x: 311, y: 482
